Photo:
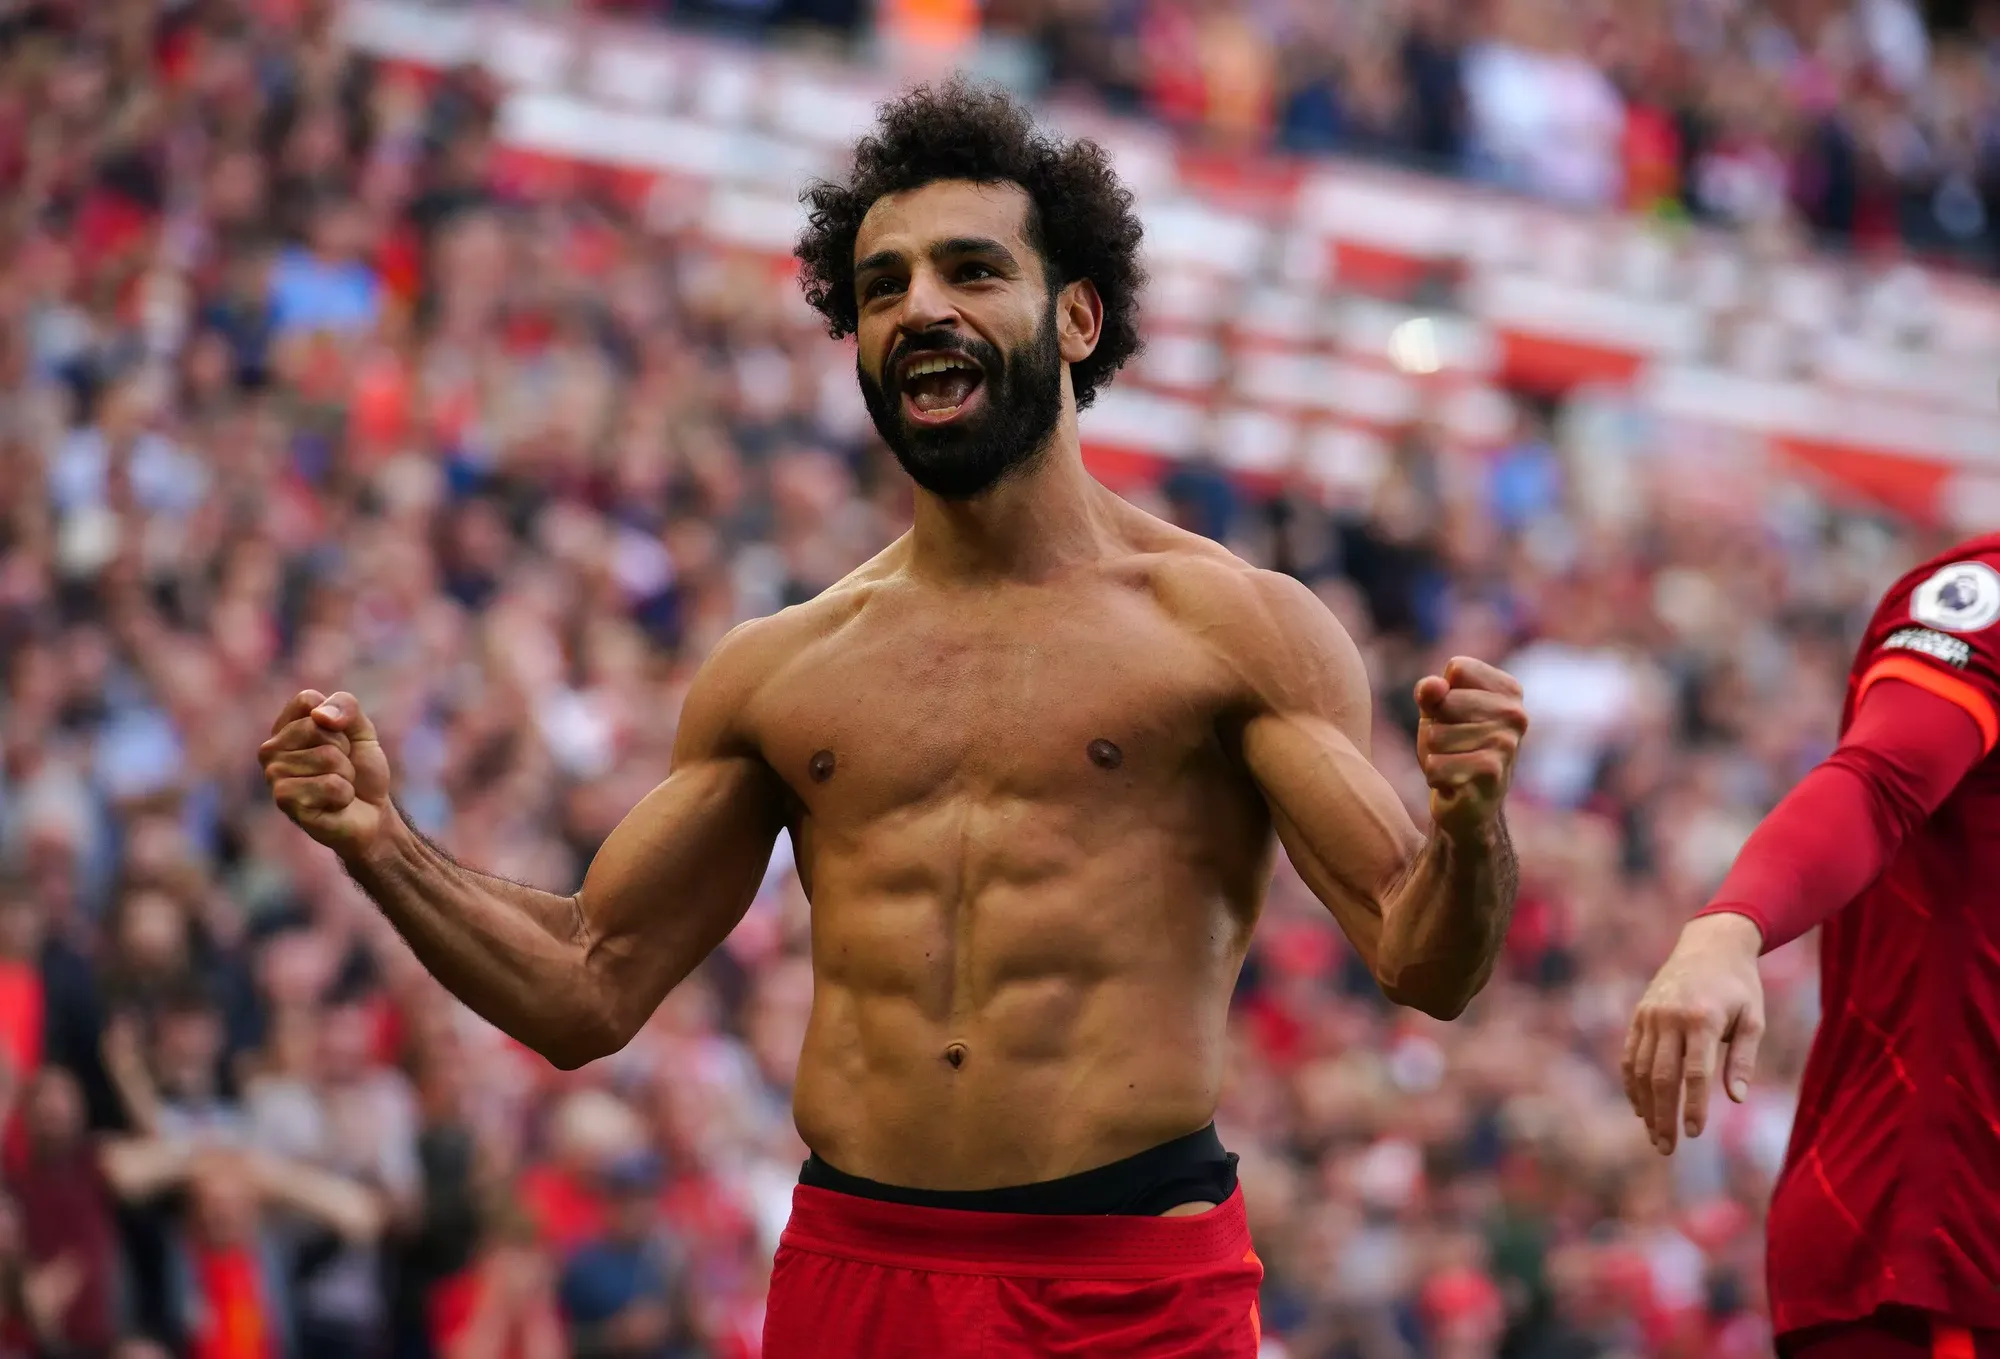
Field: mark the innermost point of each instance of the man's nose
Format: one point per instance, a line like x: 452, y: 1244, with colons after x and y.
x: 927, y: 305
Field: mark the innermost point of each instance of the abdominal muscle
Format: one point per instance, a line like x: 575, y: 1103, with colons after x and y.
x: 877, y: 1097
x: 1059, y: 1069
x: 1018, y: 994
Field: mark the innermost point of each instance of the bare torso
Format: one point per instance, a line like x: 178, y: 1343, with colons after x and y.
x: 1034, y: 859
x: 1034, y: 758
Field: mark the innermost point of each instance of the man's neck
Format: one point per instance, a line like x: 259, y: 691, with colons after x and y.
x: 1048, y: 516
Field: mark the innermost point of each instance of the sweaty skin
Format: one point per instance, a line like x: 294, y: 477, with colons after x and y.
x: 1035, y: 759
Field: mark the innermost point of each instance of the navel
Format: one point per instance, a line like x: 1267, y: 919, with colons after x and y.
x: 820, y: 766
x: 955, y: 1054
x: 1104, y: 754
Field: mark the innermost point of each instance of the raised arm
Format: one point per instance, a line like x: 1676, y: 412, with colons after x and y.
x: 142, y: 1168
x: 573, y: 977
x: 349, y: 1209
x: 1427, y: 913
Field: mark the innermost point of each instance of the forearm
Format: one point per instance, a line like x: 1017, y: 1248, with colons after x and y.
x: 350, y: 1209
x: 140, y: 1169
x: 513, y: 954
x: 1444, y: 924
x: 1817, y: 850
x: 1841, y: 826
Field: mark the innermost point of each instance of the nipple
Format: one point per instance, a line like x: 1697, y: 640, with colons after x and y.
x: 821, y: 766
x: 1104, y: 754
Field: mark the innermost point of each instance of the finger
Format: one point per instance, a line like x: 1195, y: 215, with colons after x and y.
x: 324, y: 793
x: 302, y: 734
x: 1480, y: 769
x: 1478, y: 705
x: 1641, y: 1088
x: 1469, y: 672
x: 303, y: 702
x: 1704, y: 1045
x: 1458, y: 738
x: 342, y: 712
x: 310, y: 764
x: 1743, y: 1041
x: 1628, y: 1060
x: 1665, y: 1085
x: 1430, y: 693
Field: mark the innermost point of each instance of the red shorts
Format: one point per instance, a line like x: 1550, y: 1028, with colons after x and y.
x: 1892, y: 1333
x: 858, y: 1278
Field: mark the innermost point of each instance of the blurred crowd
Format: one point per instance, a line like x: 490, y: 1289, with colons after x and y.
x: 292, y: 394
x: 1843, y: 117
x: 1847, y: 119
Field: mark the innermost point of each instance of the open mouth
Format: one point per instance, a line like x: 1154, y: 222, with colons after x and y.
x: 938, y: 388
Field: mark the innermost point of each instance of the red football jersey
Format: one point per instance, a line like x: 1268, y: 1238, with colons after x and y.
x: 1891, y: 1186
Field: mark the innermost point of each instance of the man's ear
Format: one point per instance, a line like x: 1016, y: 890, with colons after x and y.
x: 1079, y: 320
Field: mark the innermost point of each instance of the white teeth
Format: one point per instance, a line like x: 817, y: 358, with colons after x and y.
x: 937, y: 365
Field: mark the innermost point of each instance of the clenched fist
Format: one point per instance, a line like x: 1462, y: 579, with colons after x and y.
x: 327, y: 771
x: 1471, y: 725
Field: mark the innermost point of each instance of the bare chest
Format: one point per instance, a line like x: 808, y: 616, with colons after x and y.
x: 1102, y: 699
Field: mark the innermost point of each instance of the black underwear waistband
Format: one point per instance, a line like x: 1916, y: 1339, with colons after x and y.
x: 1190, y: 1169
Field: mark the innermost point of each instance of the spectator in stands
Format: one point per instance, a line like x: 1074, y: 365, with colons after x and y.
x: 438, y: 1244
x: 1544, y: 119
x: 327, y: 285
x: 165, y: 1059
x: 1432, y: 67
x: 504, y: 1305
x: 33, y: 1301
x: 23, y: 999
x: 231, y: 1254
x: 64, y: 1219
x: 1358, y: 102
x: 618, y: 1292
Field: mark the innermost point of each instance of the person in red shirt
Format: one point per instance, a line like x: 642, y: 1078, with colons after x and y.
x: 503, y: 1305
x: 66, y: 1211
x: 1885, y: 1222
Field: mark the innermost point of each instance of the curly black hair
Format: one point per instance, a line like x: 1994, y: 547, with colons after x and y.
x: 1081, y: 218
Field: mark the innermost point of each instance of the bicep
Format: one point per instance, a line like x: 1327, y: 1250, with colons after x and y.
x: 680, y: 870
x: 1305, y: 743
x: 1340, y: 821
x: 678, y: 873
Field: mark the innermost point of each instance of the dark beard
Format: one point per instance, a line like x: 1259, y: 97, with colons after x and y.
x: 1023, y: 402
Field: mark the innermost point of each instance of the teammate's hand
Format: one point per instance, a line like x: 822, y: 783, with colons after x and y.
x: 1706, y: 996
x: 1471, y: 727
x: 327, y: 771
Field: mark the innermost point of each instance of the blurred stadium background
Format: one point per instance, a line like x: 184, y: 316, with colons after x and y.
x: 451, y: 353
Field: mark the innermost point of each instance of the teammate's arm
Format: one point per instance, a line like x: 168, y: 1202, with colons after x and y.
x: 573, y: 977
x: 1831, y: 836
x: 1427, y: 913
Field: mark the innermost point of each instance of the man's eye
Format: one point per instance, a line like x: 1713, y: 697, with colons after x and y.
x: 881, y: 287
x: 973, y: 272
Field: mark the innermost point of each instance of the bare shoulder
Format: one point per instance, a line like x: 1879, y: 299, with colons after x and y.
x: 1280, y: 638
x: 1206, y: 586
x: 754, y: 653
x: 762, y: 646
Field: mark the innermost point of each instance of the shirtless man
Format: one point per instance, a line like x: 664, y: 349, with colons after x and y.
x: 1033, y: 759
